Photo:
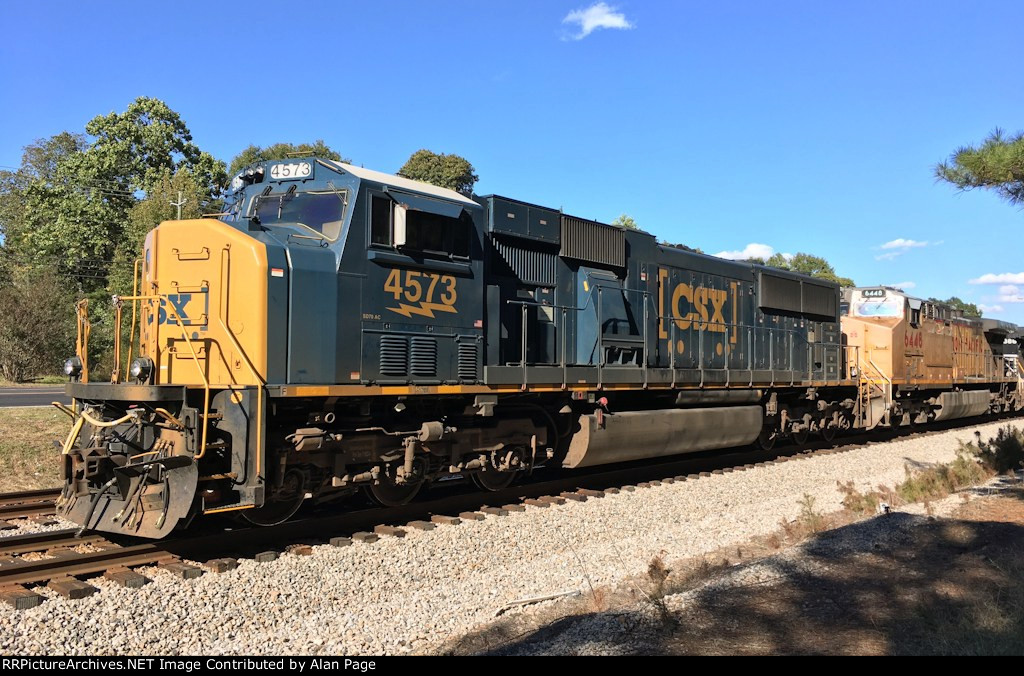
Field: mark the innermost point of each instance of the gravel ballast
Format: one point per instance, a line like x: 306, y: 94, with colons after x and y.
x: 418, y: 592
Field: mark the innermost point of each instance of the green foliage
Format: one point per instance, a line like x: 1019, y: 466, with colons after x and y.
x: 626, y: 221
x: 998, y: 164
x: 941, y: 480
x: 808, y: 264
x: 36, y: 335
x: 667, y: 243
x: 74, y: 215
x: 134, y: 148
x: 447, y: 171
x: 969, y: 309
x: 1003, y: 453
x: 72, y: 196
x: 280, y: 151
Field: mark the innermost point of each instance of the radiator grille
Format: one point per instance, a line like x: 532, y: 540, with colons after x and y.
x: 467, y: 361
x: 424, y: 357
x: 536, y: 268
x: 394, y: 356
x: 593, y: 242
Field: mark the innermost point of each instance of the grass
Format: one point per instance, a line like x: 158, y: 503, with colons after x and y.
x: 976, y: 462
x: 36, y: 382
x: 28, y: 458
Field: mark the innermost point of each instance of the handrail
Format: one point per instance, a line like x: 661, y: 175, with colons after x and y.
x: 162, y: 298
x: 83, y: 327
x: 225, y: 261
x: 793, y: 339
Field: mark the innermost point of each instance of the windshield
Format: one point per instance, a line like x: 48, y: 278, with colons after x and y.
x: 321, y: 212
x: 879, y: 307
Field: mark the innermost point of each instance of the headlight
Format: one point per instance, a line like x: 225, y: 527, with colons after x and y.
x: 141, y: 369
x: 73, y: 367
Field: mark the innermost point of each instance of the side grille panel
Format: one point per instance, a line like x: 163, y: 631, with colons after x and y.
x: 394, y: 356
x: 423, y: 357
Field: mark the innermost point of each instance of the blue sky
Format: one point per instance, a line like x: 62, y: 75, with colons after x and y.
x: 800, y: 126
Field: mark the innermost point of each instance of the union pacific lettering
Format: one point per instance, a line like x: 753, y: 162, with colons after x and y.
x: 703, y: 308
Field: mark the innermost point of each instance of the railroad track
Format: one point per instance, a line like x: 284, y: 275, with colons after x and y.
x: 55, y: 560
x: 27, y: 503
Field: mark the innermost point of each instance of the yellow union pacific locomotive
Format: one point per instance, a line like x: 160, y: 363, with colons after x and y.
x: 340, y: 330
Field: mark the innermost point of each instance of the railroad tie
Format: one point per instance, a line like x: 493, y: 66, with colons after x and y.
x: 420, y: 525
x: 126, y: 578
x: 70, y: 588
x: 365, y: 538
x: 222, y: 565
x: 19, y: 598
x: 182, y: 570
x: 389, y: 531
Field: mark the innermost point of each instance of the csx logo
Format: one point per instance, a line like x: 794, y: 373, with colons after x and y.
x: 698, y: 307
x: 189, y: 308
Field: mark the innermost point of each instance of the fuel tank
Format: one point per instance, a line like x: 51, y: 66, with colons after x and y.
x: 636, y: 435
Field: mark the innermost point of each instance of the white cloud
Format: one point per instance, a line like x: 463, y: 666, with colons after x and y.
x: 903, y: 244
x: 752, y: 250
x: 900, y: 246
x: 598, y: 15
x: 906, y: 286
x: 1010, y: 294
x: 986, y: 309
x: 1001, y: 278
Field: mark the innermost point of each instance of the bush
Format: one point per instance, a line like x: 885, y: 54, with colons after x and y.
x: 1002, y: 454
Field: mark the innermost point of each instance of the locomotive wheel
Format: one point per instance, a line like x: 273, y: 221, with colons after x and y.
x: 490, y: 479
x: 389, y: 493
x: 800, y: 436
x: 766, y: 440
x: 285, y: 503
x: 828, y: 430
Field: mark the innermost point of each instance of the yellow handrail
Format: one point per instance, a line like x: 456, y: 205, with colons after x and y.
x: 82, y: 336
x: 131, y: 334
x: 161, y: 298
x: 225, y: 260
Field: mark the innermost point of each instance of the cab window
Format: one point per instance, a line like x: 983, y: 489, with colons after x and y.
x: 425, y: 232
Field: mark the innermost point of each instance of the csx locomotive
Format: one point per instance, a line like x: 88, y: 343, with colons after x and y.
x: 340, y: 329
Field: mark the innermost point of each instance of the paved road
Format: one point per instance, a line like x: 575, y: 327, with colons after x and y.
x: 32, y: 396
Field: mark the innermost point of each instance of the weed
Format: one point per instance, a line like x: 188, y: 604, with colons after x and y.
x: 861, y: 504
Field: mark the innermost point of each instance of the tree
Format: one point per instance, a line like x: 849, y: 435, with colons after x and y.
x: 808, y: 264
x: 132, y: 149
x: 37, y: 329
x: 447, y: 171
x: 75, y: 193
x: 969, y: 309
x: 626, y: 221
x: 280, y: 151
x: 998, y: 164
x: 69, y: 214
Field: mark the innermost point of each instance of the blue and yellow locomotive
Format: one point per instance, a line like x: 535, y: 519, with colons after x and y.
x: 341, y: 329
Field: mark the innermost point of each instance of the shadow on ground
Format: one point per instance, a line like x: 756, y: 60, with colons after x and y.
x: 895, y: 584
